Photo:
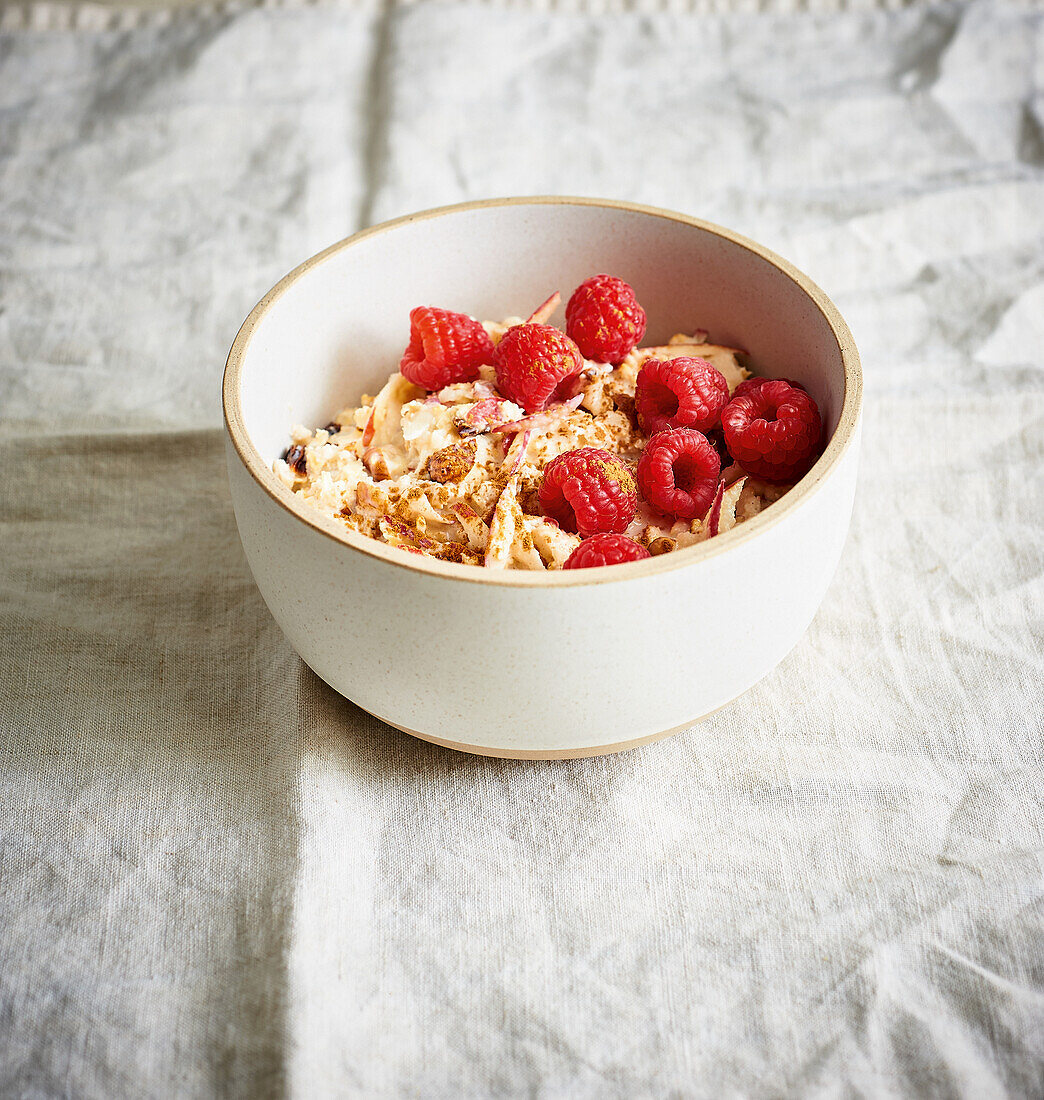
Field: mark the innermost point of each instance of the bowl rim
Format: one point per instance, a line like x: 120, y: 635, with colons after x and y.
x: 265, y: 477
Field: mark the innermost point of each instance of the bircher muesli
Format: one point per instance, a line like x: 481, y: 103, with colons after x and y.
x: 517, y: 445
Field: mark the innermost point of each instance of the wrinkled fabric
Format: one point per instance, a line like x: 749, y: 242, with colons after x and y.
x: 219, y: 877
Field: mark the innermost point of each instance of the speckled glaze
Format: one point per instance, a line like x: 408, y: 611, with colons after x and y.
x: 515, y: 663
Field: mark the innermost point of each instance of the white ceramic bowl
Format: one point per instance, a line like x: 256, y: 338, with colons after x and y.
x: 514, y: 663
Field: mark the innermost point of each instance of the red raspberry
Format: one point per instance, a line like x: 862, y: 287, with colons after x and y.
x: 536, y: 363
x: 773, y: 431
x: 678, y: 473
x: 605, y: 550
x: 589, y: 491
x: 604, y: 318
x: 748, y: 385
x: 444, y: 348
x: 679, y: 393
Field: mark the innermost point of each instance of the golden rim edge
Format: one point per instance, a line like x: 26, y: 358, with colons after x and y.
x: 269, y: 483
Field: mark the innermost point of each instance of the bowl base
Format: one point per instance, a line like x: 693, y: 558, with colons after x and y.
x: 548, y: 754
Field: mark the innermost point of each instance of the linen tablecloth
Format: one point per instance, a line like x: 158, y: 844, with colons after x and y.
x: 217, y: 877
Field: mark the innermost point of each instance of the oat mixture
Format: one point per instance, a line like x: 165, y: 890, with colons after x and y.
x: 455, y: 474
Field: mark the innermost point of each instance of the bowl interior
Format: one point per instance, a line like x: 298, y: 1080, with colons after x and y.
x: 339, y: 328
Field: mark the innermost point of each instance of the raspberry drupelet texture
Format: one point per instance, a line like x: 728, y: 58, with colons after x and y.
x: 679, y: 393
x: 749, y: 385
x: 773, y: 431
x: 589, y: 491
x: 678, y: 473
x: 604, y: 318
x: 605, y: 550
x: 536, y: 364
x: 444, y: 348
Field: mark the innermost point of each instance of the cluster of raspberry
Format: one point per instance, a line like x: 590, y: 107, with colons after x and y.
x: 771, y: 429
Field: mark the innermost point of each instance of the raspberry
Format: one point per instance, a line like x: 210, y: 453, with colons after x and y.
x: 604, y: 318
x: 605, y: 550
x: 678, y: 473
x: 589, y: 491
x: 534, y: 364
x: 772, y: 431
x: 748, y: 385
x: 444, y: 348
x: 679, y: 393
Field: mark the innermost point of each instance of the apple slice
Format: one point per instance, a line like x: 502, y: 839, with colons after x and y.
x: 541, y: 314
x: 729, y: 499
x: 553, y: 544
x: 509, y: 541
x: 404, y: 535
x: 474, y: 528
x: 371, y: 427
x: 387, y: 410
x: 546, y: 418
x: 507, y: 518
x: 517, y: 451
x: 710, y: 523
x: 487, y: 415
x: 722, y: 514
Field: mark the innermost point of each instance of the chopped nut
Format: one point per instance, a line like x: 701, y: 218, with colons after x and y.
x: 452, y: 463
x: 661, y: 545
